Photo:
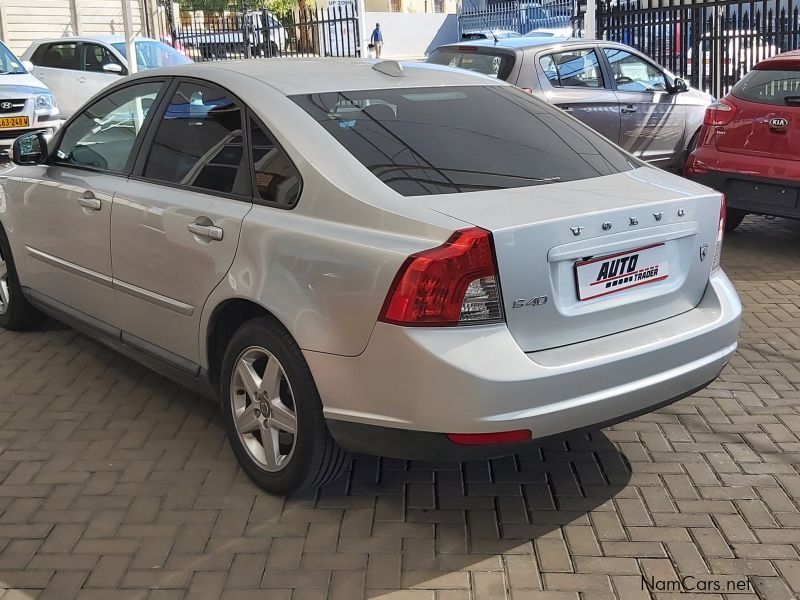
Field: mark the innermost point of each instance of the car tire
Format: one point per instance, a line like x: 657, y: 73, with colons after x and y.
x: 733, y: 218
x: 689, y: 149
x: 16, y: 313
x: 267, y: 391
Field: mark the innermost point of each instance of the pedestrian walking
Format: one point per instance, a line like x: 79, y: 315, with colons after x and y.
x: 376, y: 40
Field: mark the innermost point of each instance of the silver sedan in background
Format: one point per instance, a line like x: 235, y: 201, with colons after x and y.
x: 612, y: 88
x: 406, y: 260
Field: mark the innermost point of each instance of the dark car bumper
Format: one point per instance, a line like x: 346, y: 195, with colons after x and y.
x: 760, y: 195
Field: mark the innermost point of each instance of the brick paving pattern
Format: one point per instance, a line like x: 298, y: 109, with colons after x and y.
x: 115, y: 483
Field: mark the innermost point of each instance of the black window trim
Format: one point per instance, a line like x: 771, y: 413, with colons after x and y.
x: 257, y: 199
x: 137, y: 172
x: 137, y: 144
x: 561, y: 50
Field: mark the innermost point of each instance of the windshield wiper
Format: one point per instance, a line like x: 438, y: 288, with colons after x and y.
x: 789, y: 100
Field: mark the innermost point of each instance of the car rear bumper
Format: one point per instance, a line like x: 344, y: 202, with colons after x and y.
x: 421, y: 383
x: 761, y: 185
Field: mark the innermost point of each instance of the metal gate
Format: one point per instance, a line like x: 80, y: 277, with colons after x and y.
x: 518, y: 16
x: 241, y: 32
x: 711, y: 44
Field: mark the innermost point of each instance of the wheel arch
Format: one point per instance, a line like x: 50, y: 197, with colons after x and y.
x: 225, y: 319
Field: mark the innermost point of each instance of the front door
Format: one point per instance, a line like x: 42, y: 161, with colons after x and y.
x: 175, y: 227
x: 652, y: 120
x: 577, y: 87
x: 93, y: 77
x: 68, y: 205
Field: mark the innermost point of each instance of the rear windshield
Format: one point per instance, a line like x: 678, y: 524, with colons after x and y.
x: 769, y: 87
x: 422, y: 141
x: 484, y: 61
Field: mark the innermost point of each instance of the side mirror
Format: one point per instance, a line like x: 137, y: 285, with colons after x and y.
x: 113, y: 68
x: 27, y: 65
x: 679, y: 86
x: 30, y: 149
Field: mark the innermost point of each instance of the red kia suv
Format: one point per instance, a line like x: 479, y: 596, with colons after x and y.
x: 749, y: 146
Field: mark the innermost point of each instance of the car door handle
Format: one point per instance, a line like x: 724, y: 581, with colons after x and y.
x: 88, y: 200
x: 629, y: 109
x: 210, y: 232
x: 81, y: 79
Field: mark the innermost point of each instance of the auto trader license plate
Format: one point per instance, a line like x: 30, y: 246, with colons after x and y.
x: 622, y: 271
x: 10, y: 122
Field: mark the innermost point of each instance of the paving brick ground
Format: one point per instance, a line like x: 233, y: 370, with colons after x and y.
x: 115, y: 483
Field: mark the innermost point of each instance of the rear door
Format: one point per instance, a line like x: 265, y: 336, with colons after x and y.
x: 574, y: 81
x: 176, y: 223
x: 57, y: 64
x: 652, y: 120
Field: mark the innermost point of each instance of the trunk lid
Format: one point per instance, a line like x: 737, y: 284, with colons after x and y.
x: 762, y: 129
x: 664, y: 220
x: 766, y: 121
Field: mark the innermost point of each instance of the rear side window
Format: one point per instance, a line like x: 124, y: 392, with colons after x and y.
x: 575, y: 68
x: 276, y: 179
x: 199, y: 141
x: 486, y: 62
x: 61, y: 56
x: 770, y: 87
x: 422, y: 141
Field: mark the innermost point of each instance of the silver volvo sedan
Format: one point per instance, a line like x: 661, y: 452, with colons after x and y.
x: 399, y: 259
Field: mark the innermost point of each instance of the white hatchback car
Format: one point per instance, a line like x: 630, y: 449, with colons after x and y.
x: 406, y: 260
x: 76, y: 68
x: 26, y: 104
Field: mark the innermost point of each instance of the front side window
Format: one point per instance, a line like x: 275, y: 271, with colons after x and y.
x: 61, y: 56
x: 778, y: 87
x: 9, y: 64
x: 199, y: 141
x: 634, y: 74
x: 486, y: 62
x: 574, y: 68
x: 103, y: 135
x: 276, y: 179
x: 95, y: 57
x: 440, y: 140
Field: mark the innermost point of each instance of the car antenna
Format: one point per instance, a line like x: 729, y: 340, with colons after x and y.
x: 485, y: 21
x: 392, y: 68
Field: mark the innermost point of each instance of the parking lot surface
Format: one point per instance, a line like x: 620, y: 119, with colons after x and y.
x: 115, y: 483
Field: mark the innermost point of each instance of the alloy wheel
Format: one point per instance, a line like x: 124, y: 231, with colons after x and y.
x: 263, y: 409
x: 5, y: 292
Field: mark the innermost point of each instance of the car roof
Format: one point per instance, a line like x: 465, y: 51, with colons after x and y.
x: 105, y: 39
x: 789, y: 60
x: 522, y: 43
x: 291, y: 76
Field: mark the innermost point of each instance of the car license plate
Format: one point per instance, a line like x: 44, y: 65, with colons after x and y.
x: 622, y: 271
x: 10, y: 122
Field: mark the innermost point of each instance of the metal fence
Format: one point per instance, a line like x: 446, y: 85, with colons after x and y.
x: 517, y: 17
x: 711, y: 44
x: 239, y: 32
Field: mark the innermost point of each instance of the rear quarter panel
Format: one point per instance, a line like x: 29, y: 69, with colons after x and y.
x: 324, y: 267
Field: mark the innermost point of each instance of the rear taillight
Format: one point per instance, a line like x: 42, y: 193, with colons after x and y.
x: 453, y: 284
x: 720, y: 113
x: 720, y: 235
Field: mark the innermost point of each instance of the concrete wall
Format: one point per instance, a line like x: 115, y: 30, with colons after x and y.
x: 23, y: 21
x: 413, y: 35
